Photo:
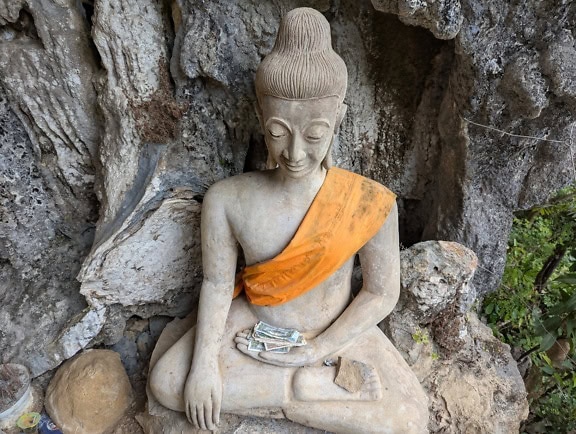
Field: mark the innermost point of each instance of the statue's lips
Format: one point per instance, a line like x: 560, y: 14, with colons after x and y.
x: 294, y: 167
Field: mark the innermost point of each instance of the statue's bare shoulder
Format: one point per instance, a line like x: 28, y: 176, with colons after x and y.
x: 230, y: 191
x: 239, y: 204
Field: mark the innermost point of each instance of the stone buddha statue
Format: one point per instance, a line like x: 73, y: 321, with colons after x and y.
x: 299, y: 224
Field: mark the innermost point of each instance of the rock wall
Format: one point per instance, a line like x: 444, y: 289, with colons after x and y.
x: 48, y: 208
x: 472, y: 380
x: 125, y: 111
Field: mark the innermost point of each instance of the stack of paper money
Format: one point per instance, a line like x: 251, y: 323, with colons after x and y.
x: 265, y: 337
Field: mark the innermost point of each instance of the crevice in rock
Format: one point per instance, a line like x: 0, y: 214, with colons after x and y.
x: 87, y: 10
x: 172, y: 20
x: 23, y: 29
x: 149, y: 158
x: 256, y: 155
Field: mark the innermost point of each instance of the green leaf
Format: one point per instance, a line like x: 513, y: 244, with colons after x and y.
x: 548, y: 326
x: 547, y: 342
x: 569, y: 278
x: 564, y: 307
x: 489, y: 308
x: 570, y: 326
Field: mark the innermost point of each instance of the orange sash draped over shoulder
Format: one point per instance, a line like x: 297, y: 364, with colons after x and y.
x: 347, y: 212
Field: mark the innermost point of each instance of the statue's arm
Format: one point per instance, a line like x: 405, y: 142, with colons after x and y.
x: 380, y: 260
x: 203, y: 389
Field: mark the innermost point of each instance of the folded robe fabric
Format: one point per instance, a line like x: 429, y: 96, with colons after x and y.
x: 346, y: 213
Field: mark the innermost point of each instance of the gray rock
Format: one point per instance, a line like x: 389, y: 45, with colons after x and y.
x: 442, y: 17
x: 471, y: 378
x: 154, y: 260
x: 44, y: 233
x: 435, y: 275
x: 48, y: 139
x: 484, y: 175
x: 77, y: 334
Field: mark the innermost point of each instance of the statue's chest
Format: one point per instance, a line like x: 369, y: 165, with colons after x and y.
x: 266, y: 229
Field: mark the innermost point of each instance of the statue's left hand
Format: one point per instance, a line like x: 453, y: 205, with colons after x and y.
x: 306, y: 355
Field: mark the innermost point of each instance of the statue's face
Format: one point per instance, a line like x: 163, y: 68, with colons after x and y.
x: 299, y: 132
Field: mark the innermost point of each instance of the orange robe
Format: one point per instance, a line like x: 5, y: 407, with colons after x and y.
x: 347, y: 212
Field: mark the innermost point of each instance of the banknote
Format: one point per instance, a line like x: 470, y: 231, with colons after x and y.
x: 271, y: 347
x: 256, y: 346
x: 265, y: 337
x: 264, y: 330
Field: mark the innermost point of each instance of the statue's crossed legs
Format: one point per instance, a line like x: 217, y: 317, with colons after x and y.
x: 390, y: 400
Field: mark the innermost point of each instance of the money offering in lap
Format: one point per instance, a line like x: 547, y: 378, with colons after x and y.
x: 265, y: 337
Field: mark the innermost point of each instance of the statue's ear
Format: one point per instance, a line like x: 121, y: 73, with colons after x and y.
x: 340, y: 117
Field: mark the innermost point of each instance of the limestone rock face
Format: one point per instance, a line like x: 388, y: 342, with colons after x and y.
x: 89, y: 393
x: 442, y: 17
x: 45, y: 231
x: 472, y: 380
x: 434, y: 274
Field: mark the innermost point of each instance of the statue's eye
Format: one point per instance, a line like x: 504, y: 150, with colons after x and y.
x: 313, y: 138
x: 315, y: 133
x: 276, y: 133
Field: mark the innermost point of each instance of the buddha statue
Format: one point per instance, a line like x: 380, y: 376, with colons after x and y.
x: 299, y: 224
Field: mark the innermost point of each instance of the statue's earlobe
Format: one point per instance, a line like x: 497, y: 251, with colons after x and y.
x: 327, y: 162
x: 270, y: 161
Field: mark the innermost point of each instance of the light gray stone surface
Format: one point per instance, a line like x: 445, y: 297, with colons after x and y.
x: 501, y: 78
x: 434, y: 275
x: 472, y: 380
x: 442, y: 17
x: 49, y: 131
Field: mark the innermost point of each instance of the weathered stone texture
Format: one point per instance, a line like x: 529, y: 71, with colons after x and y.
x: 472, y: 380
x: 507, y: 74
x: 442, y: 17
x: 43, y: 240
x: 435, y: 274
x: 48, y: 139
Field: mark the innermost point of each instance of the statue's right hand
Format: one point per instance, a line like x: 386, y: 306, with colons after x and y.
x: 203, y: 399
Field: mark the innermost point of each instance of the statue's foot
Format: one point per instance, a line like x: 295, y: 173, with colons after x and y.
x: 317, y: 384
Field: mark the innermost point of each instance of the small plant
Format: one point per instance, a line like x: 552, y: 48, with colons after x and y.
x: 421, y: 336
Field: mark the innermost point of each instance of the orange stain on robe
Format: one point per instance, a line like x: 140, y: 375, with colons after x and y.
x: 345, y: 214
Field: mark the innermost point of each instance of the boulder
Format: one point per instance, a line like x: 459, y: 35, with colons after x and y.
x: 90, y: 393
x: 471, y: 378
x: 435, y: 274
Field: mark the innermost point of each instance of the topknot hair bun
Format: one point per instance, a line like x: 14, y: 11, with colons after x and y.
x: 302, y: 64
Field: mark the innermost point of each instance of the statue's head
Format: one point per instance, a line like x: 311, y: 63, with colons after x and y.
x: 302, y: 81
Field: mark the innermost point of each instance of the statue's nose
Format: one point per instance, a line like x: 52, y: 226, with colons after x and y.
x: 294, y: 152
